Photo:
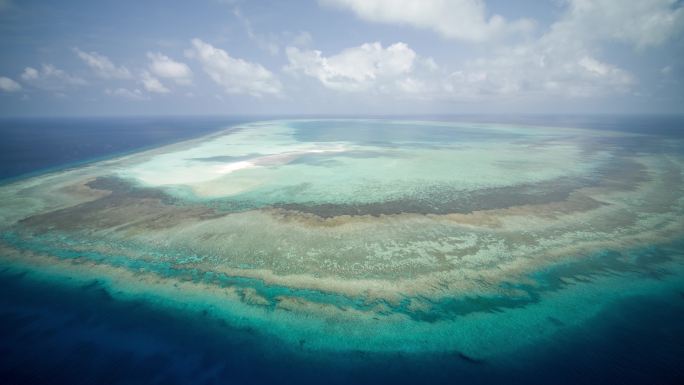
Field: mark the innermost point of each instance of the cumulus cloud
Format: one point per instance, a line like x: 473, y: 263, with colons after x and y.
x: 102, y: 66
x: 354, y: 69
x: 30, y: 73
x: 530, y: 71
x: 165, y: 67
x: 51, y: 78
x: 152, y: 84
x: 562, y: 61
x: 538, y: 68
x: 465, y: 20
x: 236, y: 76
x: 9, y: 85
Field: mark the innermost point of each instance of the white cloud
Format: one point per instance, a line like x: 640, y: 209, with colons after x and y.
x: 152, y: 84
x: 236, y: 76
x: 354, y: 69
x: 466, y: 20
x: 563, y: 62
x: 643, y: 23
x: 30, y: 74
x: 595, y: 67
x: 125, y: 93
x: 51, y: 78
x: 9, y: 85
x: 102, y: 65
x: 165, y: 67
x: 536, y: 71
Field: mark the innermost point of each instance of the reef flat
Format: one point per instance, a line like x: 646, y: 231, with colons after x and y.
x: 367, y: 235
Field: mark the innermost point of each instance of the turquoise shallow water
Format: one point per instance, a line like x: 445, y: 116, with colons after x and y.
x: 355, y: 251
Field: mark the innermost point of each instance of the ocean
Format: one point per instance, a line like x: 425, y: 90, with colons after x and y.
x: 83, y: 334
x: 34, y: 145
x: 31, y: 146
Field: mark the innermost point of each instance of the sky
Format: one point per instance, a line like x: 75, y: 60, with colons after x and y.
x: 314, y: 57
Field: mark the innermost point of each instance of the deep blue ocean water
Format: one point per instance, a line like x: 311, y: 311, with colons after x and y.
x: 56, y: 334
x: 30, y: 145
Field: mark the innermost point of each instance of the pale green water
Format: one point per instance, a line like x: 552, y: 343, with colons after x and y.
x: 276, y: 163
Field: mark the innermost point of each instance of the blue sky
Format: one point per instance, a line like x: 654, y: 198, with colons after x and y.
x: 340, y: 57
